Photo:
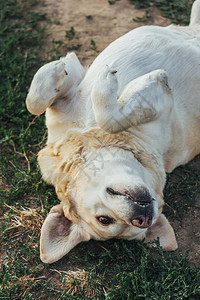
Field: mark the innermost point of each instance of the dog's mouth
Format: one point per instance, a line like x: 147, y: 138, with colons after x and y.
x: 141, y: 206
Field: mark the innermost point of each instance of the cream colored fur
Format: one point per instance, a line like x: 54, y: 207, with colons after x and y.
x: 131, y: 117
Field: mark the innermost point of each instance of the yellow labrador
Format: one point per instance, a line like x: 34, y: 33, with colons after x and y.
x: 113, y: 132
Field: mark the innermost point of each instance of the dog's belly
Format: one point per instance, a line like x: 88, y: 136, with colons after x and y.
x: 146, y: 49
x: 150, y: 48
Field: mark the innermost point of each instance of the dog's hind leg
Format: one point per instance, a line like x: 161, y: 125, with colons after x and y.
x: 195, y: 13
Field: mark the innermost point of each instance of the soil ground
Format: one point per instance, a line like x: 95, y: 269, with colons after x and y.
x: 101, y: 22
x: 95, y: 20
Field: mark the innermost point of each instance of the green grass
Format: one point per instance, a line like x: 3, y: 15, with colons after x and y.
x: 109, y: 270
x: 177, y: 11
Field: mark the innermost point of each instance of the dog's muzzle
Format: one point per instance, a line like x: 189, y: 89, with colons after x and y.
x: 142, y: 208
x: 141, y: 205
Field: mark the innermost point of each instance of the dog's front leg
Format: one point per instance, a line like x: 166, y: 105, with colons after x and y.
x: 54, y: 81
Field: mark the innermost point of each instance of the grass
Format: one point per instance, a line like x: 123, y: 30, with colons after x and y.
x: 109, y: 270
x: 177, y: 11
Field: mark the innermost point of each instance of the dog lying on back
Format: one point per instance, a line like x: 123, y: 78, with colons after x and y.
x: 113, y: 132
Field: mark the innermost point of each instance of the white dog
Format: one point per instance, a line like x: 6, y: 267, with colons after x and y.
x: 113, y: 132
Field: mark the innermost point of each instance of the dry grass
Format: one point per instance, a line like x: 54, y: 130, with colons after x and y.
x: 75, y: 281
x: 21, y: 230
x: 18, y: 222
x: 21, y: 219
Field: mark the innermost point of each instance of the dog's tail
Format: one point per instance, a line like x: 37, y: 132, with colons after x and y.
x: 195, y: 13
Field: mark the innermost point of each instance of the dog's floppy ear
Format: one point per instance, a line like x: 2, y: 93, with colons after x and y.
x: 163, y: 230
x: 59, y: 235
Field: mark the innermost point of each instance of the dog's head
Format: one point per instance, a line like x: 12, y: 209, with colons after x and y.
x: 109, y: 187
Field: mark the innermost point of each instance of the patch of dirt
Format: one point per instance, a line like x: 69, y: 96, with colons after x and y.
x: 101, y: 22
x: 95, y: 20
x: 188, y: 233
x: 187, y: 228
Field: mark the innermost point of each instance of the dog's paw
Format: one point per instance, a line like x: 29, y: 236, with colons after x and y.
x: 49, y: 82
x: 106, y: 83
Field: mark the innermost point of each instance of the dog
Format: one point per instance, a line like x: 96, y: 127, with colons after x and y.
x: 114, y: 130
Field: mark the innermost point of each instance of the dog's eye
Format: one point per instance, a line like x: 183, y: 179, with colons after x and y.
x: 105, y: 220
